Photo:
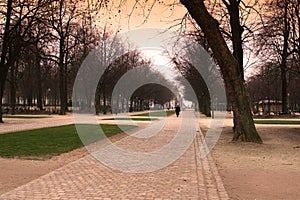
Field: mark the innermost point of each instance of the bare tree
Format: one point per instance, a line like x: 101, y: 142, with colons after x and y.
x: 158, y: 93
x: 19, y: 17
x: 4, y: 65
x: 230, y: 69
x: 229, y: 64
x: 240, y: 25
x: 264, y: 85
x: 279, y: 39
x: 62, y: 20
x: 197, y: 82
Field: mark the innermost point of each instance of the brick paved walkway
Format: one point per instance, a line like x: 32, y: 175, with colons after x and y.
x: 189, y: 177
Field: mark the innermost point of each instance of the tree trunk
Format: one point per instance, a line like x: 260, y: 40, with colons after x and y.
x: 3, y: 64
x: 135, y: 107
x: 3, y: 75
x: 244, y: 128
x: 131, y: 105
x: 39, y: 85
x: 284, y: 56
x: 62, y: 78
x: 236, y: 31
x: 117, y: 104
x: 122, y: 103
x: 204, y: 105
x: 66, y: 103
x: 141, y: 104
x: 104, y: 101
x: 237, y: 43
x: 13, y: 89
x: 61, y: 93
x: 207, y: 106
x: 97, y: 101
x: 284, y: 95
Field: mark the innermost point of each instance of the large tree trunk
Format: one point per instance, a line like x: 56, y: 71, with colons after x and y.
x: 236, y: 31
x: 205, y: 104
x: 237, y: 43
x: 244, y: 128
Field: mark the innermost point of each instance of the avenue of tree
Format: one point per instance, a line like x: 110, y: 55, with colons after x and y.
x: 43, y: 43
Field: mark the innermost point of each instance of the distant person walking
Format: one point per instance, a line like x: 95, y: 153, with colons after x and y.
x: 177, y: 110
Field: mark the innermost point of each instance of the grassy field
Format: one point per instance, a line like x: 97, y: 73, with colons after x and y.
x: 47, y: 142
x: 157, y: 114
x: 276, y: 122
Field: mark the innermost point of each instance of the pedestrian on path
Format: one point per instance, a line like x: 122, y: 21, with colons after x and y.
x: 177, y: 110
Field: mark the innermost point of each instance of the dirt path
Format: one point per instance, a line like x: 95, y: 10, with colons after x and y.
x: 261, y: 172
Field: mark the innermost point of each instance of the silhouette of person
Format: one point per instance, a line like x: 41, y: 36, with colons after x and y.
x: 177, y: 110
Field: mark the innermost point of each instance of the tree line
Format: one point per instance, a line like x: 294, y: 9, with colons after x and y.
x: 226, y: 28
x: 43, y: 43
x: 267, y: 32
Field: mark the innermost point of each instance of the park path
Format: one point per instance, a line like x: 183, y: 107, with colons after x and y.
x: 21, y: 124
x: 189, y: 177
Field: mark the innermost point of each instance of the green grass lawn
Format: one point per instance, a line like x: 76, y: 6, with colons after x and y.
x: 276, y: 122
x: 47, y: 142
x: 133, y: 119
x: 157, y: 114
x: 24, y: 116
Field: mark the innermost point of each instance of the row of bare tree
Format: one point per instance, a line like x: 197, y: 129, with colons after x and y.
x: 279, y: 43
x: 43, y: 44
x: 266, y: 86
x: 60, y: 33
x: 267, y: 32
x: 270, y: 35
